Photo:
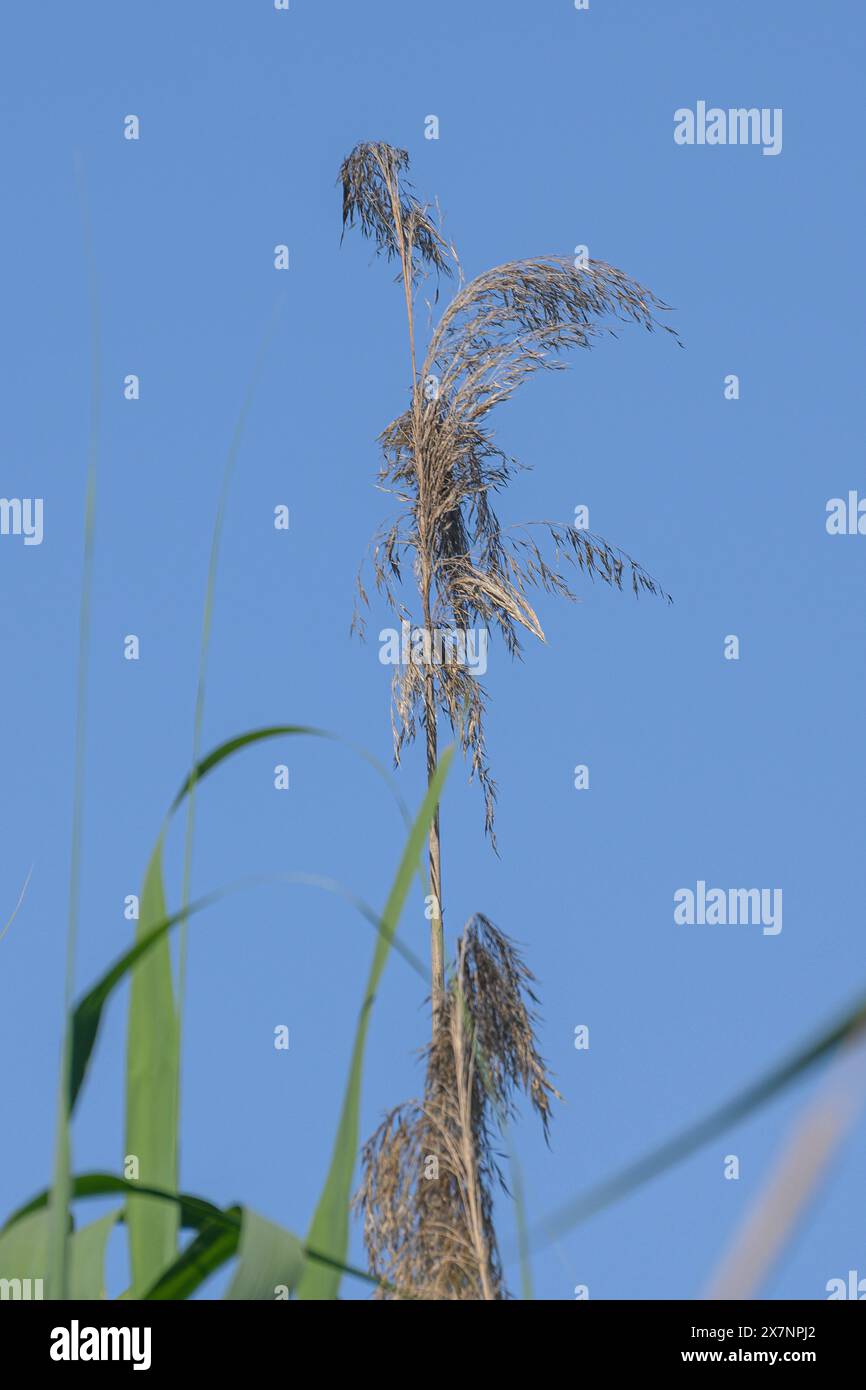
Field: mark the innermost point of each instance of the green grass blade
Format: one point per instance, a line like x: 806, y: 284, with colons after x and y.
x: 24, y: 1248
x: 207, y: 621
x: 23, y: 1240
x: 519, y: 1199
x: 217, y: 1242
x: 58, y: 1235
x: 234, y: 745
x: 218, y: 1235
x: 21, y: 896
x: 667, y: 1155
x: 214, y: 1245
x: 152, y: 1072
x: 88, y: 1013
x: 153, y: 1050
x: 153, y: 1046
x: 24, y: 1252
x: 194, y: 1212
x: 269, y: 1259
x: 329, y: 1232
x: 87, y: 1258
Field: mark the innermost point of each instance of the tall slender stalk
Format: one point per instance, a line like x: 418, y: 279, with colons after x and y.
x: 442, y: 463
x: 58, y: 1236
x: 204, y: 644
x: 433, y: 1234
x: 389, y: 167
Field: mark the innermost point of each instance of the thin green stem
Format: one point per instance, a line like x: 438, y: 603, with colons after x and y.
x: 58, y: 1246
x: 207, y: 623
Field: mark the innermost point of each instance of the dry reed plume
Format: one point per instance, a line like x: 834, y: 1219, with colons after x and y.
x: 431, y: 1169
x: 440, y: 460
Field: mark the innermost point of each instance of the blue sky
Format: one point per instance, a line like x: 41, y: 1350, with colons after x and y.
x: 556, y: 130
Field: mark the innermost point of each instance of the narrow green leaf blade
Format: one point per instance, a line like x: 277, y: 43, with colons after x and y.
x: 24, y: 1255
x: 270, y: 1261
x: 88, y: 1012
x: 680, y: 1146
x: 58, y: 1239
x: 214, y: 1245
x: 87, y: 1258
x: 329, y: 1231
x: 234, y: 745
x: 152, y: 1080
x: 218, y: 1234
x: 194, y: 1212
x: 87, y: 1017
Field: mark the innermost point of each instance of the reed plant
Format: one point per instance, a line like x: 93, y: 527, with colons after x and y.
x: 444, y: 563
x: 429, y: 1227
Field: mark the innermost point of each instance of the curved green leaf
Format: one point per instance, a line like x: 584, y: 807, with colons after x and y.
x: 87, y: 1015
x: 218, y: 1235
x: 329, y: 1232
x: 153, y: 1037
x: 270, y: 1260
x: 152, y: 1081
x: 234, y: 745
x: 214, y: 1245
x: 674, y: 1150
x: 58, y: 1246
x: 195, y: 1212
x: 87, y: 1258
x: 24, y: 1254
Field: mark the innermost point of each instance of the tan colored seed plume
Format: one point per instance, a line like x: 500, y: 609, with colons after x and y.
x: 430, y: 1171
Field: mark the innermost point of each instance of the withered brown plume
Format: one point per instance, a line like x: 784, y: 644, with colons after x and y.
x: 430, y: 1171
x: 441, y: 461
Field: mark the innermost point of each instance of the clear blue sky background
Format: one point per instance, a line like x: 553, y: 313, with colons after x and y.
x: 556, y: 130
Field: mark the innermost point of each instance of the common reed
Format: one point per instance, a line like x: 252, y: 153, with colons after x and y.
x: 444, y: 558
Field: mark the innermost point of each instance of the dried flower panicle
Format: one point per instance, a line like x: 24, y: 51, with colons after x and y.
x: 442, y: 463
x: 431, y: 1170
